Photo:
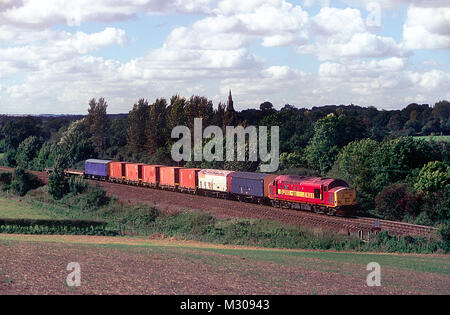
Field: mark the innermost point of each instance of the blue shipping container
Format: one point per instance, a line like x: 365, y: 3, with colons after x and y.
x: 96, y: 168
x: 244, y: 183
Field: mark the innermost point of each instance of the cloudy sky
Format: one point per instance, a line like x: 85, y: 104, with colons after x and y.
x: 57, y: 54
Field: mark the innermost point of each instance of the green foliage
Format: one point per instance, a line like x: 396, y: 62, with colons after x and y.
x: 355, y: 165
x: 60, y: 227
x: 140, y: 216
x: 93, y: 198
x: 445, y: 234
x: 295, y: 129
x: 330, y: 134
x: 5, y: 180
x: 27, y: 151
x: 22, y: 182
x: 58, y: 186
x: 99, y: 124
x: 78, y: 185
x: 391, y: 202
x: 76, y: 144
x: 433, y: 177
x: 16, y: 131
x: 292, y: 160
x: 137, y: 124
x: 46, y: 156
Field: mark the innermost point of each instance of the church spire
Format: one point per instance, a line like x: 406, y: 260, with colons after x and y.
x: 230, y: 106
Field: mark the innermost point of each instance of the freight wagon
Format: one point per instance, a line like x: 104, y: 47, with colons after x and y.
x: 96, y: 169
x: 169, y: 177
x: 189, y: 179
x: 150, y: 175
x: 133, y: 173
x: 117, y: 171
x: 250, y: 186
x: 214, y: 182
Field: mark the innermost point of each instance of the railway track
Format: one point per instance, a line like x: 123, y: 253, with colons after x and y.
x: 228, y: 208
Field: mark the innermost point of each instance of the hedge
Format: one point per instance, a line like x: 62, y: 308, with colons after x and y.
x: 49, y: 226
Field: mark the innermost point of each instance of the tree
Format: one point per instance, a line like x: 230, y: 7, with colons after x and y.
x: 392, y: 202
x: 295, y: 129
x: 355, y: 165
x: 395, y: 159
x: 266, y: 106
x: 17, y: 131
x: 27, y: 151
x: 58, y: 185
x: 441, y: 110
x: 75, y: 142
x: 22, y: 182
x: 156, y: 129
x: 175, y: 112
x: 99, y: 124
x: 330, y: 134
x: 432, y: 177
x: 137, y: 124
x: 46, y: 156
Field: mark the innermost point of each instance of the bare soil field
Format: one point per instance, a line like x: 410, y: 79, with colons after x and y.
x: 116, y: 265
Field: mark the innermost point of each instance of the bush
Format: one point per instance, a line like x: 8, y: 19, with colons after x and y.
x: 58, y: 186
x: 77, y: 185
x: 5, y: 181
x: 62, y: 227
x: 140, y: 216
x: 392, y: 202
x: 22, y: 182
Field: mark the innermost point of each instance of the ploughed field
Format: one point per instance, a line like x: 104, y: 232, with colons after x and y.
x: 37, y: 265
x: 173, y: 201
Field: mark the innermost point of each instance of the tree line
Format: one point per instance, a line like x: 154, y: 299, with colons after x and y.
x: 396, y: 174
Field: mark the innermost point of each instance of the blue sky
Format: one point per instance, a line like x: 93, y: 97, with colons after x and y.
x: 55, y: 56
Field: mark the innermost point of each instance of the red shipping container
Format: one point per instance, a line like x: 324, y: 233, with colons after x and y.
x: 133, y: 172
x: 169, y: 176
x: 189, y: 178
x: 117, y: 170
x: 150, y: 174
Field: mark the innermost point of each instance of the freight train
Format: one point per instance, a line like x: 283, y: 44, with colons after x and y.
x: 321, y: 195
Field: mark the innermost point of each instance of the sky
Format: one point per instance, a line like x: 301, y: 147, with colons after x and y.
x: 56, y: 55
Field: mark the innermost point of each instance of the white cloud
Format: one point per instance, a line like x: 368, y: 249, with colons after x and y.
x: 343, y: 33
x: 42, y: 66
x: 427, y: 28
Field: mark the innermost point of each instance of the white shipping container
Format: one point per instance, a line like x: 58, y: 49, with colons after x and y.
x: 215, y: 180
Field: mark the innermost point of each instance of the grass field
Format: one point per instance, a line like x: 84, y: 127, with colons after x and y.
x: 14, y: 209
x: 36, y: 265
x: 435, y: 138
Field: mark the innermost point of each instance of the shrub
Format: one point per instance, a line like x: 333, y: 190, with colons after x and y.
x: 22, y: 182
x: 57, y: 183
x: 5, y: 180
x: 391, y: 203
x: 140, y: 216
x: 77, y: 185
x: 39, y: 226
